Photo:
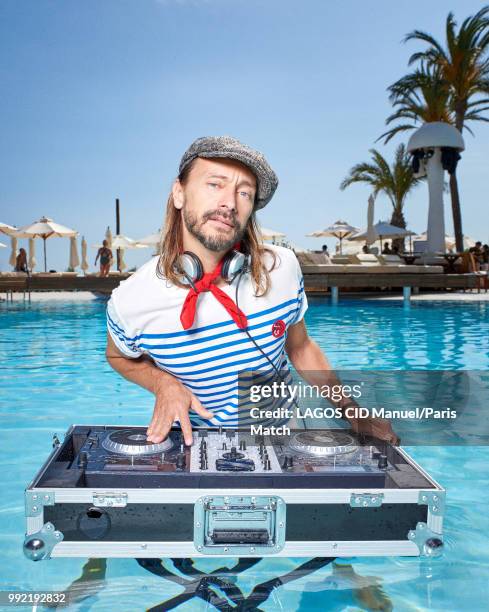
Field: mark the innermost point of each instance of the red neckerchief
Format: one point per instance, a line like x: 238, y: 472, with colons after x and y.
x: 206, y: 283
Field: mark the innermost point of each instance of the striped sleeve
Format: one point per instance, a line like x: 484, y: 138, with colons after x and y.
x: 120, y: 333
x: 301, y: 294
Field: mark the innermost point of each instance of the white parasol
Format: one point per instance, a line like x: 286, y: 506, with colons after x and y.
x: 13, y: 251
x: 449, y: 241
x: 84, y: 263
x: 5, y: 228
x: 383, y: 230
x: 74, y: 259
x: 124, y: 242
x: 44, y: 228
x: 32, y: 254
x: 270, y: 234
x: 151, y: 240
x: 122, y: 263
x: 340, y: 229
x: 108, y: 237
x: 371, y: 236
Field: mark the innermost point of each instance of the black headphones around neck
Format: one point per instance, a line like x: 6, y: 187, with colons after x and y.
x: 191, y: 269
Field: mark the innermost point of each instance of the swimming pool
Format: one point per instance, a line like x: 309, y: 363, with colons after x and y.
x: 53, y: 373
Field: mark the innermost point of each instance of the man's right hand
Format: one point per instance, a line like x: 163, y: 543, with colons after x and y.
x: 173, y: 402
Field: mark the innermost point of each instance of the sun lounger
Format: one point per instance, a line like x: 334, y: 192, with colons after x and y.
x: 310, y: 258
x: 340, y: 259
x: 364, y: 259
x: 390, y: 260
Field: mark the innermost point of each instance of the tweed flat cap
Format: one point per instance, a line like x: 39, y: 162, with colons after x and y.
x: 227, y: 147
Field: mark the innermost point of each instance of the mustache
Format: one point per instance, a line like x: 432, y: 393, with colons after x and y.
x: 229, y: 218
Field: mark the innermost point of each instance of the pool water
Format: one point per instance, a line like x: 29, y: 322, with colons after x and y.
x: 54, y: 373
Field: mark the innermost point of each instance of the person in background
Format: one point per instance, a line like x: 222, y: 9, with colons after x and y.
x: 21, y: 262
x: 386, y: 250
x: 485, y: 257
x: 365, y: 250
x: 478, y: 251
x: 325, y: 249
x: 395, y: 250
x: 105, y: 255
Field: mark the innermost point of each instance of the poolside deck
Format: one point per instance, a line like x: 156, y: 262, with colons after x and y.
x: 60, y: 282
x: 316, y: 280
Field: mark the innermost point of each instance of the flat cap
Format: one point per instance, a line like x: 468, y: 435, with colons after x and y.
x: 229, y: 148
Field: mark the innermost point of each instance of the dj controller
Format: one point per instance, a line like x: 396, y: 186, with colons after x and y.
x: 125, y: 455
x: 108, y: 491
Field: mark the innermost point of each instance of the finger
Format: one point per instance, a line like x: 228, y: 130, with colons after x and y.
x: 154, y: 418
x: 186, y: 427
x: 149, y: 431
x: 161, y: 429
x: 199, y: 409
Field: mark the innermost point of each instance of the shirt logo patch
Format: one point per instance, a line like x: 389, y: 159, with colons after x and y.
x: 278, y: 328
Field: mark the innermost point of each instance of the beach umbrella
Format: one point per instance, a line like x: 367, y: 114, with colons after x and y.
x: 296, y: 248
x: 449, y: 241
x: 371, y: 237
x: 270, y: 234
x: 108, y: 237
x: 32, y: 254
x: 44, y: 228
x: 340, y: 229
x: 74, y: 259
x: 122, y: 263
x: 124, y: 242
x: 84, y: 263
x: 151, y: 240
x: 13, y: 252
x: 383, y: 230
x: 7, y: 229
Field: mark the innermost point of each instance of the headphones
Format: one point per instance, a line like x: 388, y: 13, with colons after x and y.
x: 190, y: 266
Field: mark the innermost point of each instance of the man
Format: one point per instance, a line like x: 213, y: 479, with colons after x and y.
x: 185, y: 334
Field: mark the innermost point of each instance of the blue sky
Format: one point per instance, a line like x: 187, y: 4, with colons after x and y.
x: 101, y: 98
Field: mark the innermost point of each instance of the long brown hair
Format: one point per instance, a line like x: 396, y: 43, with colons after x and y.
x: 171, y: 246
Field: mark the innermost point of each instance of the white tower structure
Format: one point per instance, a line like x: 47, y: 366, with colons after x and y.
x: 435, y: 148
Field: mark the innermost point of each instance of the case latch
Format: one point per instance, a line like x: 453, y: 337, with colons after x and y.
x: 239, y: 525
x: 110, y: 500
x: 366, y: 500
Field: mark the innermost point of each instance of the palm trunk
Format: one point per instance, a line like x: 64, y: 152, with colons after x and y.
x: 398, y: 220
x: 456, y: 213
x: 456, y: 210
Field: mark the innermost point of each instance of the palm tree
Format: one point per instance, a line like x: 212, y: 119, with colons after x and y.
x: 463, y: 66
x: 419, y: 97
x: 395, y: 182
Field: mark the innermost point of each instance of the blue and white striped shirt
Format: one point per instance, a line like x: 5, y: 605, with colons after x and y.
x: 214, y: 359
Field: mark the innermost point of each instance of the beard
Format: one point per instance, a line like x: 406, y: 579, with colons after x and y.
x: 216, y: 241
